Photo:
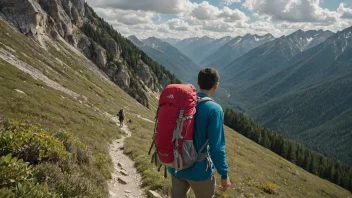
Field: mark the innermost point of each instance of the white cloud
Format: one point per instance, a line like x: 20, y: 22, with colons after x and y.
x: 291, y: 10
x: 158, y: 6
x: 278, y: 17
x: 128, y: 17
x: 205, y: 11
x: 178, y: 24
x: 229, y: 2
x: 233, y: 15
x: 345, y: 12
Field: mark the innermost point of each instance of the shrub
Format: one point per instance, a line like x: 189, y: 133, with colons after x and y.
x: 30, y: 143
x: 48, y: 166
x: 13, y: 171
x: 103, y: 163
x: 76, y: 185
x: 72, y: 145
x: 270, y: 188
x: 7, y: 193
x: 32, y: 190
x: 48, y: 174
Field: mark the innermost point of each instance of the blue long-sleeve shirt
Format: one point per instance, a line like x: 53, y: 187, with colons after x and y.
x: 208, y: 125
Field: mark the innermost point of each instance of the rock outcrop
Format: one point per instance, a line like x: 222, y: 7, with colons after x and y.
x: 26, y: 15
x: 93, y: 51
x: 119, y: 74
x: 112, y: 48
x: 85, y: 46
x: 75, y: 10
x: 99, y: 55
x: 144, y: 72
x: 54, y: 9
x: 76, y: 22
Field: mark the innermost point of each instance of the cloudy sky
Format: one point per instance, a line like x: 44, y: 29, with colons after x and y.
x: 217, y: 18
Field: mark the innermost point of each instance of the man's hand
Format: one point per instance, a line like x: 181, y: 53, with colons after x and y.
x: 225, y: 183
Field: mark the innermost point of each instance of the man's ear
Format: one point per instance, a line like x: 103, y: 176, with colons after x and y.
x: 198, y: 84
x: 216, y: 85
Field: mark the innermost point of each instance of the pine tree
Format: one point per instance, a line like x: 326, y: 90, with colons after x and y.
x: 313, y: 166
x: 291, y: 153
x: 307, y: 160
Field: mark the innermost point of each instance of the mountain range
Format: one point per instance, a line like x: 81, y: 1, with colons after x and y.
x: 168, y: 56
x: 298, y: 85
x: 235, y: 48
x: 281, y: 82
x: 199, y: 49
x: 190, y: 46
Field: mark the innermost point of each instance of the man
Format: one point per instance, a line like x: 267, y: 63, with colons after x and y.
x: 121, y: 117
x: 208, y: 126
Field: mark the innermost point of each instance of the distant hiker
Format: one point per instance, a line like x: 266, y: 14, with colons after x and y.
x: 189, y: 137
x: 121, y: 116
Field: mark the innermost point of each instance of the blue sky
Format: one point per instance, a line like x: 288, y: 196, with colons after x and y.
x: 218, y: 18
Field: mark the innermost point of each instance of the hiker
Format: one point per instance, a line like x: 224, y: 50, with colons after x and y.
x: 208, y: 126
x: 121, y: 116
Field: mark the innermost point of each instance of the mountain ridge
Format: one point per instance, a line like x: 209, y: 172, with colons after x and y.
x: 292, y: 89
x: 168, y: 56
x: 235, y: 48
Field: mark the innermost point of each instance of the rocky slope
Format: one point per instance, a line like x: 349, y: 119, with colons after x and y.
x: 76, y: 23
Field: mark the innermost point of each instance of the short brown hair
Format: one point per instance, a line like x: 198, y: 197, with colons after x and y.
x: 207, y: 78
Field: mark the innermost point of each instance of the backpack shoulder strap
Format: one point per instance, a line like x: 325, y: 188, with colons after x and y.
x: 204, y: 99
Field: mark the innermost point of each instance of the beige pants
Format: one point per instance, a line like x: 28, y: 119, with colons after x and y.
x: 202, y: 189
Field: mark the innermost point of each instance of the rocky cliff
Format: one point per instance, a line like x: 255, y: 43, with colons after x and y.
x: 73, y: 21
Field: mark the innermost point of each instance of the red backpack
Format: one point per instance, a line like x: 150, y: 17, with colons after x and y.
x: 173, y: 134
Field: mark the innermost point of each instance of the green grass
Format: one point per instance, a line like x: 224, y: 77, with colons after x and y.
x: 253, y: 169
x: 53, y: 110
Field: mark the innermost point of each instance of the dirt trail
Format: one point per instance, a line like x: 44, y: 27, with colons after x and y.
x: 125, y: 182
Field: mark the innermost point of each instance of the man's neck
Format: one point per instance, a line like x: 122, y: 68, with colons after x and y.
x: 207, y: 92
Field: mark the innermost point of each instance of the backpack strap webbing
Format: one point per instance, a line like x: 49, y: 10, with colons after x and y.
x: 204, y: 99
x: 204, y: 156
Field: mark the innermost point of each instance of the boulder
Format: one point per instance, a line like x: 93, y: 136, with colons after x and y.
x: 153, y: 194
x: 121, y: 181
x: 123, y: 173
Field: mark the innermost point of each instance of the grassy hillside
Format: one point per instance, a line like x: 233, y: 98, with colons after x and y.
x: 82, y: 114
x: 85, y: 116
x: 254, y: 170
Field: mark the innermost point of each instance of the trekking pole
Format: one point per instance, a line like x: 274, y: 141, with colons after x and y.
x: 153, y: 138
